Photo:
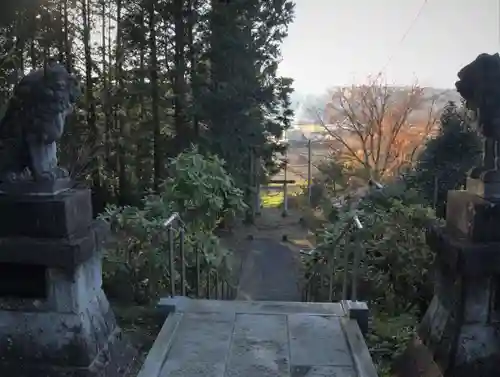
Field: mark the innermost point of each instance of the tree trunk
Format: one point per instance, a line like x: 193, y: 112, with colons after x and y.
x: 192, y: 55
x: 153, y: 67
x: 67, y: 43
x: 99, y: 199
x: 105, y: 82
x: 182, y: 132
x: 123, y: 138
x: 141, y: 150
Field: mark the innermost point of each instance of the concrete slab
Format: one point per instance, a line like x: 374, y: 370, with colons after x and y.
x: 202, y: 342
x: 249, y: 339
x: 318, y: 340
x: 323, y: 371
x: 361, y: 356
x: 259, y: 347
x: 262, y: 307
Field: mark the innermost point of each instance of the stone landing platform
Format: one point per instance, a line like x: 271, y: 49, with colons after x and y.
x: 209, y: 338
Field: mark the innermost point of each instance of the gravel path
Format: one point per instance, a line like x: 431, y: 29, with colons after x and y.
x: 269, y: 272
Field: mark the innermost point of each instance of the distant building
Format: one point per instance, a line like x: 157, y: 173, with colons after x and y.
x: 304, y: 132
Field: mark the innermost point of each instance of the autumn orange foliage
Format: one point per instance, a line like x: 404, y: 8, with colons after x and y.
x: 379, y: 128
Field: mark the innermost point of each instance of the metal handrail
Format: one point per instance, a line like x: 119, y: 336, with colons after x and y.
x: 174, y: 216
x: 215, y: 286
x: 326, y: 261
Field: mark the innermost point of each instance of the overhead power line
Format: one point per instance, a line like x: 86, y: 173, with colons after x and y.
x: 405, y: 35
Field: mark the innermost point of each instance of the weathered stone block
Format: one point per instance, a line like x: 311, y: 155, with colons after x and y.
x: 485, y: 183
x: 65, y: 334
x: 357, y: 310
x: 65, y: 253
x: 472, y: 216
x: 458, y: 335
x: 59, y: 323
x: 59, y: 216
x: 31, y: 188
x: 463, y: 256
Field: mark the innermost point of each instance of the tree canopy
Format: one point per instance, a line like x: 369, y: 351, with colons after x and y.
x: 158, y: 76
x: 379, y: 129
x: 447, y: 158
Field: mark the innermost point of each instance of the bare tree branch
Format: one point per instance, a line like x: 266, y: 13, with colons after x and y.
x: 379, y: 127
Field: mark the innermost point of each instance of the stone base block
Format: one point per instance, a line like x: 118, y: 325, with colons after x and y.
x: 113, y: 361
x: 64, y: 253
x: 486, y: 185
x: 31, y: 188
x: 459, y: 335
x: 461, y: 255
x: 357, y: 310
x: 84, y: 344
x: 472, y: 216
x: 55, y: 320
x: 445, y: 348
x: 58, y: 216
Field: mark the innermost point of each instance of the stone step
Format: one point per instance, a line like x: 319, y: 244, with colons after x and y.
x: 266, y: 339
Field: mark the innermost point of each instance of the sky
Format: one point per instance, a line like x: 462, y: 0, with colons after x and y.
x: 343, y: 42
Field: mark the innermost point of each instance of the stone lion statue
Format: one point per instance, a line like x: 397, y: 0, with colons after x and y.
x: 479, y: 86
x: 33, y: 124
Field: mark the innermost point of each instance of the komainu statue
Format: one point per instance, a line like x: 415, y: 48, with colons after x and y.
x: 33, y: 124
x: 479, y: 86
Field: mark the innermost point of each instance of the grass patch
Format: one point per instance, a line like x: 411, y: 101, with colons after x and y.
x: 275, y: 198
x: 272, y: 199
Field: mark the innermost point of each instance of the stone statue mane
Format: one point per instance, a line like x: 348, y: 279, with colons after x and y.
x: 33, y: 124
x: 479, y: 86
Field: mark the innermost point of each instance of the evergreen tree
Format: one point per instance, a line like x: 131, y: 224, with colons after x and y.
x: 248, y: 105
x: 158, y: 76
x: 447, y: 158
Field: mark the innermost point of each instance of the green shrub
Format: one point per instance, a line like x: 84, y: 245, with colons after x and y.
x: 388, y: 338
x: 200, y: 190
x: 394, y: 267
x: 444, y: 163
x: 393, y: 274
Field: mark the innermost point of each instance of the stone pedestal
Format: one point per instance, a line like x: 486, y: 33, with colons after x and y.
x: 55, y: 320
x: 459, y: 335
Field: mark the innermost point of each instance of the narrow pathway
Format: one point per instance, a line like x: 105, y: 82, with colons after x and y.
x: 265, y: 332
x: 269, y: 272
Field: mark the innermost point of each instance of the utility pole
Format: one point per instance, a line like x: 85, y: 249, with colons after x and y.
x: 258, y: 177
x: 309, y: 170
x: 285, y: 186
x: 250, y: 198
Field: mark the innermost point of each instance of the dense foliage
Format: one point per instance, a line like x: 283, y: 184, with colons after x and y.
x: 200, y: 190
x: 158, y: 76
x: 447, y: 158
x: 393, y: 270
x: 394, y: 262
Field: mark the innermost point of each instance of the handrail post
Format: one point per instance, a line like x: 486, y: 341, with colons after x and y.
x: 183, y: 262
x: 198, y: 271
x: 356, y: 261
x: 171, y: 247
